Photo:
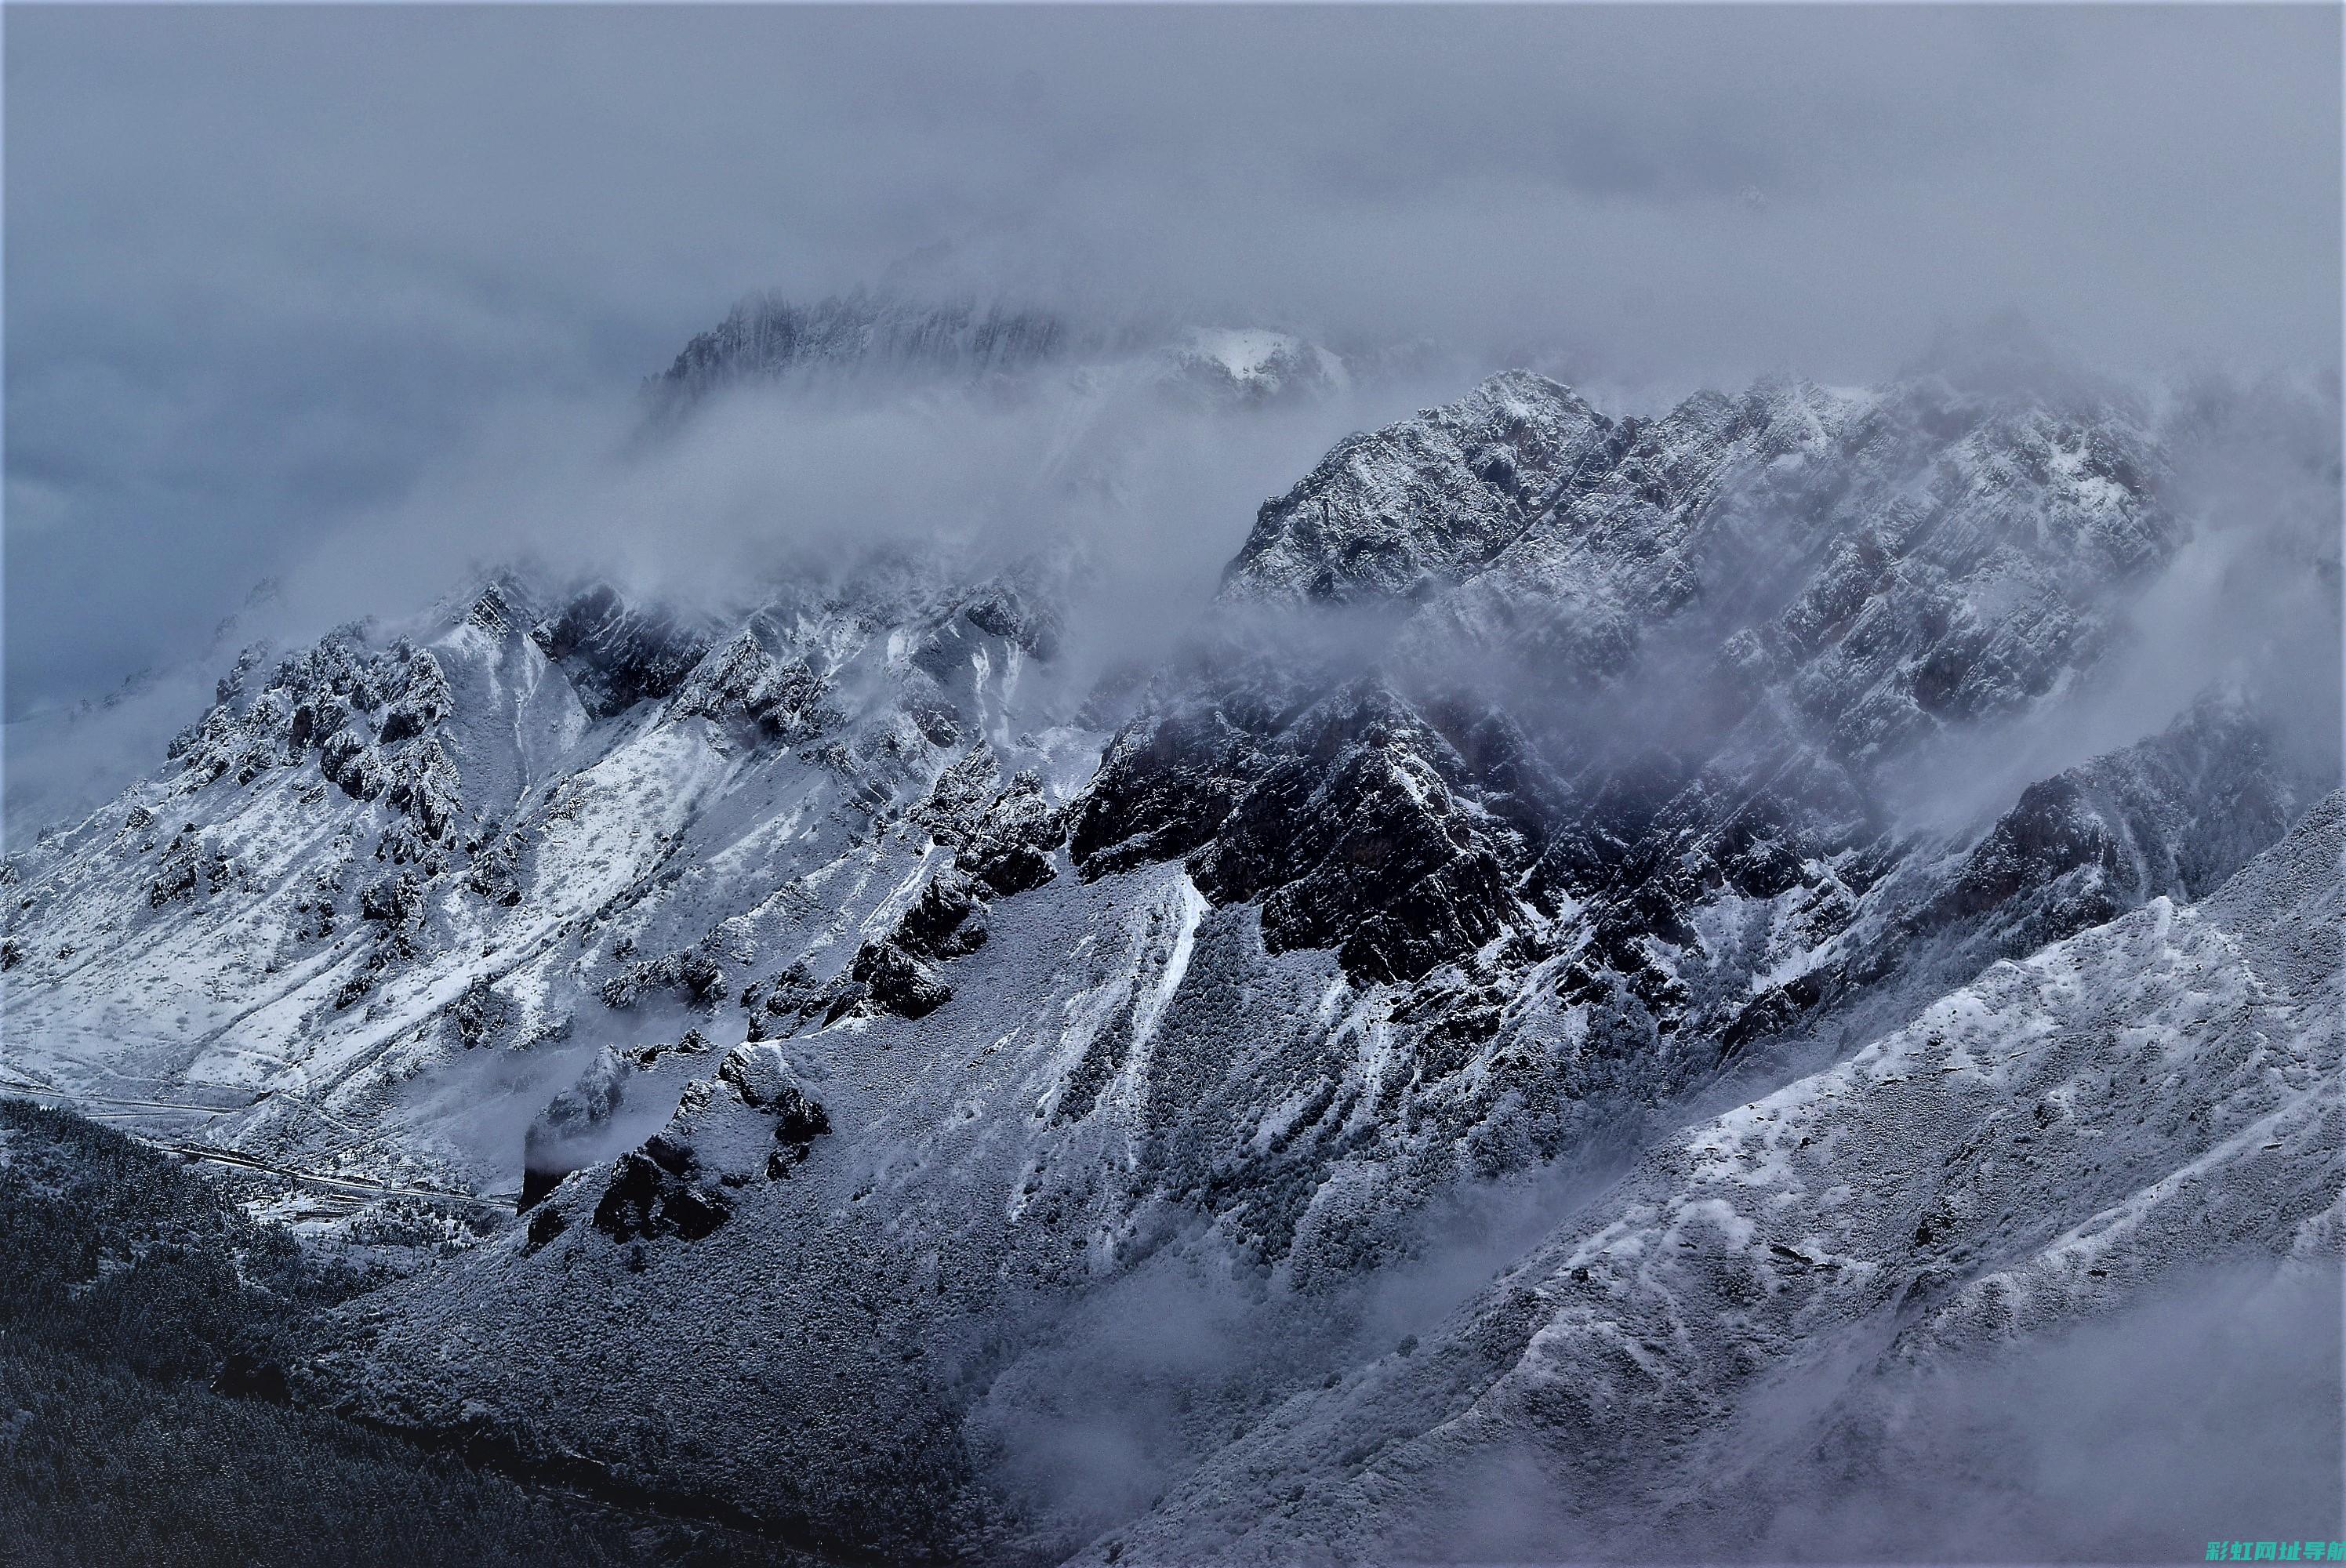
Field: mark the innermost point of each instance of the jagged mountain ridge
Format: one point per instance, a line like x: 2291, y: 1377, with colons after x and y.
x: 1265, y: 968
x: 769, y: 336
x: 881, y: 338
x: 2034, y: 1149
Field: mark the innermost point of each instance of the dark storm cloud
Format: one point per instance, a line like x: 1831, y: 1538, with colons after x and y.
x: 265, y: 267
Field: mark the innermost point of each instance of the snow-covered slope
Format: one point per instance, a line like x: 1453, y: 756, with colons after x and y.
x: 2044, y: 1146
x: 881, y: 1021
x: 380, y: 854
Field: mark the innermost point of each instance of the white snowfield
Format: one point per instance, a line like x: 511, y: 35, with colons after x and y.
x: 660, y: 828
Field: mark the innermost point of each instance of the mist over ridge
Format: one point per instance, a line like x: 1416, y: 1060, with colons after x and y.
x: 259, y: 338
x: 1133, y: 788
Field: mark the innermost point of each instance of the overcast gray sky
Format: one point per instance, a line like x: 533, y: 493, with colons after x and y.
x: 267, y: 267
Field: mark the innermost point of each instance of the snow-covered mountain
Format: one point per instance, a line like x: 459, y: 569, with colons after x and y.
x: 2041, y: 1148
x: 964, y: 1105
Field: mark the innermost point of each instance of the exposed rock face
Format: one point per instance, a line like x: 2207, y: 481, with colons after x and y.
x: 2171, y: 816
x: 187, y: 867
x: 1009, y: 851
x: 1001, y: 848
x: 948, y: 921
x: 1537, y: 775
x: 1953, y: 558
x: 1017, y: 616
x: 1164, y: 786
x: 1876, y: 564
x: 617, y: 654
x: 657, y: 1191
x: 1998, y: 1166
x: 764, y: 1081
x: 767, y: 337
x: 882, y: 343
x: 894, y: 980
x: 1415, y: 508
x: 1356, y: 824
x: 324, y: 699
x: 745, y: 681
x: 681, y: 1182
x: 550, y: 1147
x: 693, y: 974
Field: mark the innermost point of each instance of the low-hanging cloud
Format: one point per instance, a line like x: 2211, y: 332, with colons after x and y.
x: 2204, y: 1408
x: 1111, y: 473
x: 270, y: 267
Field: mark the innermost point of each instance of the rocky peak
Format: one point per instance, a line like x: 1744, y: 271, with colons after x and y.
x: 755, y: 680
x: 2172, y: 815
x: 1414, y: 507
x: 1253, y: 365
x: 618, y: 653
x: 769, y: 338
